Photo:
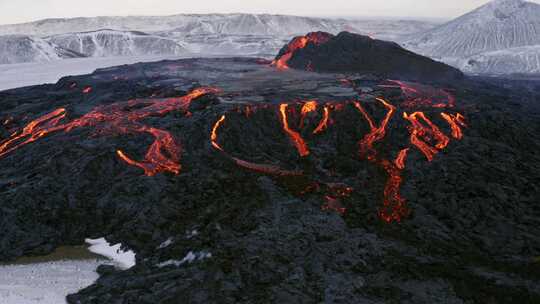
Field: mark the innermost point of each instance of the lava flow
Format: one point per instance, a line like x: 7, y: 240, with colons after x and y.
x: 455, y: 122
x: 297, y: 139
x: 420, y: 95
x: 261, y: 168
x: 297, y: 43
x: 394, y: 208
x: 163, y: 154
x: 422, y: 134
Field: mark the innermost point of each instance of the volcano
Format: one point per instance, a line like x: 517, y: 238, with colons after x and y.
x: 353, y: 53
x: 234, y: 181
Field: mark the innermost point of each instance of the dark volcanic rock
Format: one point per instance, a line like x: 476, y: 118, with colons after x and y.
x: 353, y: 53
x: 218, y: 232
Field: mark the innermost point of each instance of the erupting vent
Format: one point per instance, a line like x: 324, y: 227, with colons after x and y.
x: 300, y: 42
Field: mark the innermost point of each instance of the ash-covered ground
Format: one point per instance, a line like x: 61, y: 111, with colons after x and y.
x: 236, y: 182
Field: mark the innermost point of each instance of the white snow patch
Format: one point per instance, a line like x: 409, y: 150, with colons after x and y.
x: 189, y: 258
x: 45, y: 283
x: 123, y: 259
x: 166, y: 244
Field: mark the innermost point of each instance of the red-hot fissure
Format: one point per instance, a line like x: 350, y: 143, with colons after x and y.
x: 163, y: 154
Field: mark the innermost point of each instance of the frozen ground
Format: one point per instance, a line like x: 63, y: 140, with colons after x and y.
x: 48, y: 280
x: 45, y: 283
x: 26, y: 74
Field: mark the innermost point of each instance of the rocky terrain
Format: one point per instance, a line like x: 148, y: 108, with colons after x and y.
x: 235, y: 181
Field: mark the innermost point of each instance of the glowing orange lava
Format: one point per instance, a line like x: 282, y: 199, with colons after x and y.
x: 261, y: 168
x: 33, y: 131
x: 163, y: 154
x: 297, y: 43
x: 422, y: 135
x: 377, y: 133
x: 323, y: 124
x: 297, y: 139
x: 213, y: 135
x: 308, y: 107
x: 455, y: 121
x: 394, y: 206
x: 400, y: 160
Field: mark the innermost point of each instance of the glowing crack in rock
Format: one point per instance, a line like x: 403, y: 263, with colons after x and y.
x: 299, y: 142
x: 163, y: 154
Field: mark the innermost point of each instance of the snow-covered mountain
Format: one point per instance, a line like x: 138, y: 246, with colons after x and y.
x: 105, y: 43
x: 208, y: 34
x: 498, y: 25
x: 22, y: 48
x: 188, y: 24
x: 208, y: 24
x: 502, y: 36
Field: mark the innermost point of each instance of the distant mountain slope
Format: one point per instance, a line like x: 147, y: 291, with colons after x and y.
x: 520, y: 60
x: 498, y: 25
x: 237, y: 24
x: 106, y: 43
x: 22, y: 48
x: 228, y: 24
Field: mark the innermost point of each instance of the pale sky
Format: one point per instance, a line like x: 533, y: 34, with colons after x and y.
x: 16, y: 11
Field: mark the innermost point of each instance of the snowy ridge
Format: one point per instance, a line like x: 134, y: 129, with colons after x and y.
x: 500, y: 37
x: 218, y: 24
x: 205, y: 34
x: 500, y: 24
x: 105, y: 43
x: 234, y: 24
x: 22, y: 48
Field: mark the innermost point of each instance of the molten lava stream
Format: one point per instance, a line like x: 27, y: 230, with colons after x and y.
x: 455, y: 121
x: 377, y: 133
x: 400, y: 160
x: 420, y: 133
x: 261, y: 168
x: 297, y: 139
x: 324, y: 121
x: 155, y: 160
x: 394, y: 206
x: 299, y: 43
x: 118, y: 118
x: 33, y: 131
